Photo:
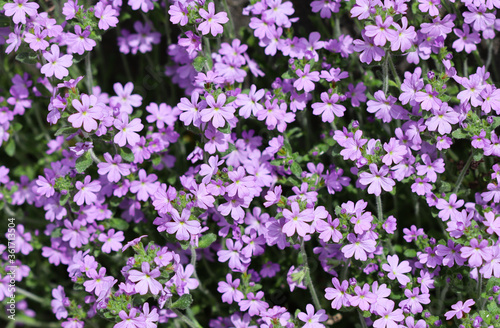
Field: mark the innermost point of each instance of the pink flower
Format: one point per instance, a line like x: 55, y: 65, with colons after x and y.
x: 112, y: 241
x: 389, y: 317
x: 459, y: 309
x: 253, y: 303
x: 108, y: 17
x: 476, y: 253
x: 183, y: 228
x: 130, y: 320
x: 113, y: 167
x: 311, y: 318
x: 376, y: 179
x: 56, y: 66
x: 328, y: 109
x: 359, y: 246
x: 381, y: 32
x: 125, y: 98
x: 212, y: 23
x: 145, y: 280
x: 87, y: 190
x: 306, y: 79
x: 296, y: 220
x: 127, y: 130
x: 397, y: 270
x: 88, y: 111
x: 19, y: 9
x: 217, y: 112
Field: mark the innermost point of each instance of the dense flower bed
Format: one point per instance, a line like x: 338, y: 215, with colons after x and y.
x: 199, y: 163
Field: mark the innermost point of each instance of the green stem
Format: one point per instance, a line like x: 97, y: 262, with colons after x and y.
x: 195, y: 275
x: 462, y: 174
x: 31, y: 296
x: 362, y: 319
x: 88, y: 71
x: 393, y: 70
x: 309, y: 282
x: 232, y: 33
x: 380, y: 214
x: 385, y: 73
x: 186, y: 320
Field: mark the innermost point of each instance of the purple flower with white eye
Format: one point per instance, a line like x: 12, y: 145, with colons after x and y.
x: 212, y: 21
x: 359, y: 246
x: 74, y: 235
x: 397, y: 270
x: 125, y: 98
x: 328, y: 109
x: 430, y: 168
x: 37, y: 39
x: 108, y: 17
x: 56, y: 66
x: 127, y: 130
x: 376, y: 179
x: 442, y: 119
x: 237, y: 262
x: 87, y: 191
x: 144, y: 187
x: 217, y: 112
x: 381, y: 32
x: 113, y: 168
x: 88, y: 111
x: 477, y: 252
x: 311, y: 318
x: 145, y: 279
x: 385, y: 109
x: 459, y: 309
x: 306, y: 79
x: 183, y: 228
x: 253, y: 303
x: 19, y: 9
x: 229, y: 290
x: 112, y: 241
x: 79, y: 42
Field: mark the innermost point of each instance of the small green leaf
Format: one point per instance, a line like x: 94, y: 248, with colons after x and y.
x: 127, y: 154
x: 410, y: 253
x: 83, y: 162
x: 296, y: 170
x: 199, y: 63
x: 118, y: 224
x: 156, y: 160
x: 287, y: 75
x: 67, y: 130
x: 64, y: 199
x: 459, y: 134
x: 10, y: 147
x: 226, y: 129
x: 207, y: 240
x: 496, y: 122
x: 27, y: 57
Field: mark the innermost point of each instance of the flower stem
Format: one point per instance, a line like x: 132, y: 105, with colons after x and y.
x: 380, y: 214
x: 309, y: 282
x: 393, y: 70
x: 385, y: 73
x: 362, y: 319
x: 186, y: 320
x: 31, y: 296
x: 88, y: 72
x: 462, y: 174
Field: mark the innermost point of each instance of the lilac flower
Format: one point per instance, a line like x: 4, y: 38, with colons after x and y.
x: 449, y: 209
x: 397, y: 270
x: 113, y: 167
x: 213, y: 21
x: 250, y: 103
x: 145, y: 280
x: 229, y: 290
x: 88, y: 111
x: 428, y: 99
x: 338, y: 294
x: 60, y: 303
x: 79, y: 42
x: 253, y: 303
x: 19, y: 9
x: 144, y: 5
x: 442, y: 119
x: 217, y: 112
x: 376, y: 180
x: 328, y: 109
x: 56, y: 66
x: 145, y: 186
x: 476, y: 253
x: 385, y: 108
x: 108, y: 17
x: 359, y: 246
x: 130, y: 320
x: 178, y: 14
x: 369, y: 51
x: 112, y: 241
x: 183, y: 228
x: 127, y: 130
x: 381, y: 32
x: 466, y: 40
x: 233, y: 253
x: 74, y: 235
x: 363, y: 298
x: 430, y: 168
x: 306, y: 79
x: 87, y: 191
x: 296, y: 220
x: 459, y: 309
x: 403, y: 37
x: 311, y: 318
x: 37, y: 40
x: 390, y: 317
x: 125, y: 98
x: 414, y: 301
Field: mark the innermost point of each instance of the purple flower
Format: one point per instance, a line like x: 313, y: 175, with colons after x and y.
x: 381, y: 32
x: 145, y: 280
x: 253, y: 303
x: 459, y: 309
x: 87, y: 191
x: 19, y: 9
x: 237, y: 261
x: 229, y: 290
x: 60, y: 303
x: 217, y: 112
x: 376, y: 180
x: 476, y: 253
x: 88, y: 111
x: 124, y: 98
x: 108, y: 17
x: 397, y: 270
x: 183, y: 228
x: 311, y: 318
x: 213, y: 21
x: 112, y: 241
x: 338, y: 294
x: 296, y: 220
x: 306, y: 79
x: 56, y: 66
x: 328, y: 109
x: 127, y: 130
x: 390, y: 317
x: 385, y: 108
x: 113, y: 167
x: 74, y: 235
x: 130, y: 320
x: 359, y: 246
x: 145, y: 186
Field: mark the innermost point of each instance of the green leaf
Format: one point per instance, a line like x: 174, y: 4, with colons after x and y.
x: 459, y: 134
x: 156, y: 160
x: 27, y: 57
x: 207, y: 240
x: 83, y: 162
x: 127, y: 154
x: 199, y: 63
x: 478, y: 156
x: 67, y: 130
x: 496, y: 122
x: 118, y: 224
x: 64, y: 199
x: 226, y: 129
x: 10, y: 147
x: 296, y: 170
x: 287, y: 75
x: 410, y: 253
